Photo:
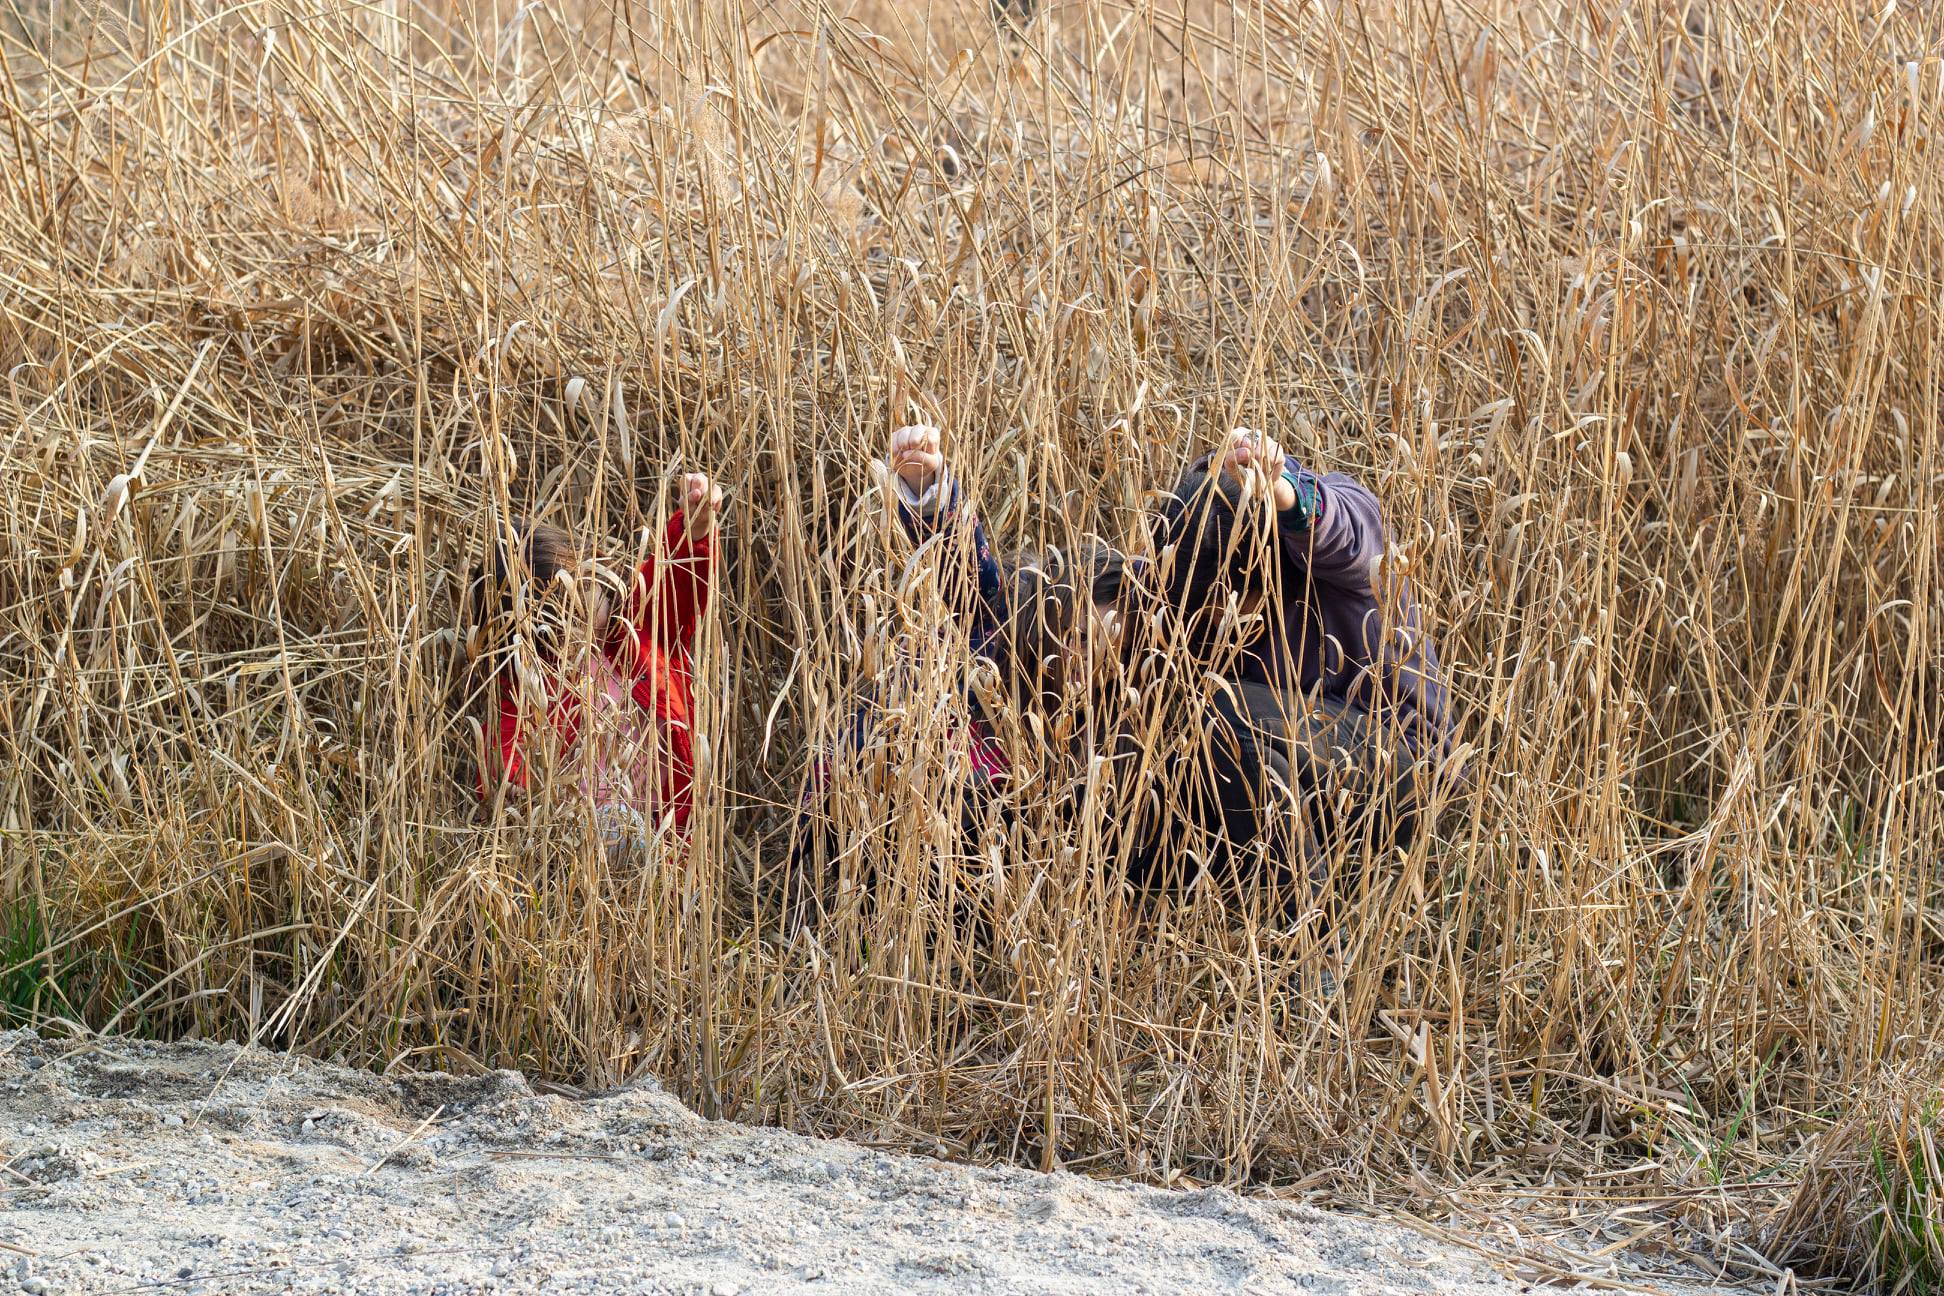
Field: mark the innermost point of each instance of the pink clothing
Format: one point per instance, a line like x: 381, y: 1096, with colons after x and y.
x: 988, y: 758
x: 642, y: 692
x: 623, y: 748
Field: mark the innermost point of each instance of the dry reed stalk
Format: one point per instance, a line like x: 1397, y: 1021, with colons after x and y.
x: 1629, y: 314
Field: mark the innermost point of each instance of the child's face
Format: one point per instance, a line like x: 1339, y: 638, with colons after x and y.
x: 600, y: 605
x: 1098, y: 651
x: 570, y: 610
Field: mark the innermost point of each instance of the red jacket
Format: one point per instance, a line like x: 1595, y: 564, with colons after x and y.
x: 652, y: 642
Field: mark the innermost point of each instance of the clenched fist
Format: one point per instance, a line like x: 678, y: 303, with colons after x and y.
x: 1255, y: 460
x: 701, y: 501
x: 915, y: 456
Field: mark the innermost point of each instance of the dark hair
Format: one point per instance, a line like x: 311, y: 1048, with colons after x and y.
x: 538, y: 554
x: 1203, y: 543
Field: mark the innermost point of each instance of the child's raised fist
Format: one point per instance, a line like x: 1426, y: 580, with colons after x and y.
x: 1255, y: 459
x: 915, y: 456
x: 701, y: 501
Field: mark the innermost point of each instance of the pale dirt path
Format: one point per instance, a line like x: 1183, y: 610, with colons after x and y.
x: 192, y: 1168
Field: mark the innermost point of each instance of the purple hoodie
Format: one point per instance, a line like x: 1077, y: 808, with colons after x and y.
x: 1336, y: 628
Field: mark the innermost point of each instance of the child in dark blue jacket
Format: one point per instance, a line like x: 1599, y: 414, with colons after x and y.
x: 1025, y: 622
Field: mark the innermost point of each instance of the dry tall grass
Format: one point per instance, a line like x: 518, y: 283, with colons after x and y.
x: 1630, y: 313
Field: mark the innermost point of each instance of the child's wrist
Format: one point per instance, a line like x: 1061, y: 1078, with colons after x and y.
x: 923, y: 493
x: 1297, y: 499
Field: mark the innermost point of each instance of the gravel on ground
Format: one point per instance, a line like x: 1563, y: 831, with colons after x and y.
x: 197, y: 1169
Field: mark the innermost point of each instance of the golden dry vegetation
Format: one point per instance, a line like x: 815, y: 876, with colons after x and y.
x: 1629, y: 313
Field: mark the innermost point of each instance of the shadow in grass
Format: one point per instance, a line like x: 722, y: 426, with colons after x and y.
x: 43, y: 980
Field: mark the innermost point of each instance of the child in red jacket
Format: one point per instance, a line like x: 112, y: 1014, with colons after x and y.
x: 606, y: 686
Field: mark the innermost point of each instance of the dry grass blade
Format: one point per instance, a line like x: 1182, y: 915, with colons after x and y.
x: 1629, y: 313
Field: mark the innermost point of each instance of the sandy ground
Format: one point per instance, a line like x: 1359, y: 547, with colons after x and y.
x: 193, y: 1168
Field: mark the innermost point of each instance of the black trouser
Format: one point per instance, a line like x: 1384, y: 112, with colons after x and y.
x: 1279, y: 792
x: 1281, y: 789
x: 818, y: 849
x: 809, y: 884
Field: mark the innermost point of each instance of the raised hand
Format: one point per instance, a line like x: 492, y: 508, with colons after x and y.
x: 1255, y: 459
x: 701, y: 502
x: 915, y: 456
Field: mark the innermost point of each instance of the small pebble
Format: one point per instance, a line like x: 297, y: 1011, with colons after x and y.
x: 172, y: 1119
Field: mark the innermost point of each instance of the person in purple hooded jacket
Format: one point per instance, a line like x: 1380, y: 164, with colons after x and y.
x: 1329, y: 718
